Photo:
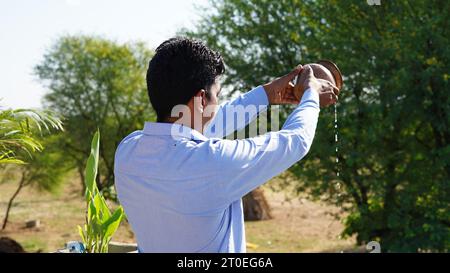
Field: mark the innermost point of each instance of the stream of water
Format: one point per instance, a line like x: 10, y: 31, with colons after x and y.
x: 336, y: 143
x: 336, y: 138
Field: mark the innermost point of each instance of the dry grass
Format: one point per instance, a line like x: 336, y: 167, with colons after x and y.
x: 299, y: 225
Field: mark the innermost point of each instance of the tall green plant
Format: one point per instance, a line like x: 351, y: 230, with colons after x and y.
x: 100, y: 222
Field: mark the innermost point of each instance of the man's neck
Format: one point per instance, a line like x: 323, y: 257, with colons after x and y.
x: 184, y: 123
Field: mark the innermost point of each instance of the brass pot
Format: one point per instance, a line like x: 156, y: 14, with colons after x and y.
x: 325, y: 70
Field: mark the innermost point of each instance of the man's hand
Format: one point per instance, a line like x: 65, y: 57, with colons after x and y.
x: 281, y: 91
x: 328, y: 93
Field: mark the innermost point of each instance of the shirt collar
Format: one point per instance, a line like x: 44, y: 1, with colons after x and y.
x: 175, y: 130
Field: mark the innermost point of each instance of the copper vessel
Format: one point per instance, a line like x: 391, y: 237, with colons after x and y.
x: 326, y: 70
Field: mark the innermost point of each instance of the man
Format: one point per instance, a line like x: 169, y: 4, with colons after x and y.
x: 180, y: 187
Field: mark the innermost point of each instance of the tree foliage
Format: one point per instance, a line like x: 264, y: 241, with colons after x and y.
x: 20, y: 130
x: 394, y: 111
x: 96, y: 84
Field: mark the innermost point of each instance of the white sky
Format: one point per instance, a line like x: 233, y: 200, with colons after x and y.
x: 29, y: 27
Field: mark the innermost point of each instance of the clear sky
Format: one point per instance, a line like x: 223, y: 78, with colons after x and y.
x: 29, y: 27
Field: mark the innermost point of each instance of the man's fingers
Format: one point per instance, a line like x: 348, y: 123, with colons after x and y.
x: 307, y: 75
x: 289, y: 88
x: 327, y: 85
x: 334, y: 98
x: 289, y: 77
x: 307, y: 70
x: 328, y: 98
x: 295, y: 71
x: 332, y: 95
x: 335, y: 89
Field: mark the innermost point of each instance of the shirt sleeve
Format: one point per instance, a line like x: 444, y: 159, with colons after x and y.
x: 242, y: 165
x: 227, y: 118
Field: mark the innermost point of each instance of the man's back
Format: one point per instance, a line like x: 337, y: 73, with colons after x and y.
x: 167, y: 202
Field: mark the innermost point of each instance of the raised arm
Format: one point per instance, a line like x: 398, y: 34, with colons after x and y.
x: 227, y: 119
x: 236, y: 167
x: 234, y: 115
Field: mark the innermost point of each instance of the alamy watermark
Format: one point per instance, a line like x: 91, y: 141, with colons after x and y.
x: 374, y: 2
x: 373, y: 247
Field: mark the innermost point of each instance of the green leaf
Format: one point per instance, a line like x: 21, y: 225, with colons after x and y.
x: 18, y: 128
x: 101, y: 207
x: 82, y: 235
x: 92, y: 166
x: 112, y: 224
x: 96, y: 226
x: 92, y: 210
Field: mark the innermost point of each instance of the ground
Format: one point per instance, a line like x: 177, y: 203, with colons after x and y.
x: 299, y: 225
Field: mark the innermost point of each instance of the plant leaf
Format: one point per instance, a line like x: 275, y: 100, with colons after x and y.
x: 81, y: 232
x: 101, y: 207
x: 91, y: 166
x: 112, y: 224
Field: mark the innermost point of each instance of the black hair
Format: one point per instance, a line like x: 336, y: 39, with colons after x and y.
x: 178, y: 70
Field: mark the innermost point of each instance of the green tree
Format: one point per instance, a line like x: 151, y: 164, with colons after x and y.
x: 96, y: 84
x: 21, y: 147
x: 394, y: 111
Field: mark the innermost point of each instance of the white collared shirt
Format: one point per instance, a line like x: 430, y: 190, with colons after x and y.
x: 182, y: 192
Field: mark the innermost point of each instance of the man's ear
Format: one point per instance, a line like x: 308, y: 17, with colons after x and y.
x: 201, y: 96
